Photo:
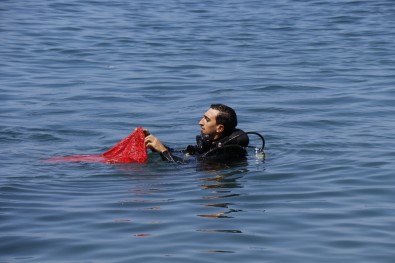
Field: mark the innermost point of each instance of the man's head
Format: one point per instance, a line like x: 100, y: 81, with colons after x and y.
x: 220, y: 120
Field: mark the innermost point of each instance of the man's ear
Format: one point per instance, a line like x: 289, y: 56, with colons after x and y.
x: 220, y: 128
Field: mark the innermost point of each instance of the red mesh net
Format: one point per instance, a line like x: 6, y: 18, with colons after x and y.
x: 131, y: 149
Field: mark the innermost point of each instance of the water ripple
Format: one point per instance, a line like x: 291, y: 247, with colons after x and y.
x: 315, y: 77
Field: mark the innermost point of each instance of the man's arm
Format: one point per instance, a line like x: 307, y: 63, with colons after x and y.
x: 153, y: 143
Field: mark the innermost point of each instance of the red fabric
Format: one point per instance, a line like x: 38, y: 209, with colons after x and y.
x: 131, y: 149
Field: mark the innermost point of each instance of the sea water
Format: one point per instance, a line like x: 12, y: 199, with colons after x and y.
x: 316, y: 78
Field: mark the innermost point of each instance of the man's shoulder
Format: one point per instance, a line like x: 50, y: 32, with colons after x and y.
x: 238, y: 137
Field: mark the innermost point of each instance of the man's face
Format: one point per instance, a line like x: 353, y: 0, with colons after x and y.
x: 209, y: 124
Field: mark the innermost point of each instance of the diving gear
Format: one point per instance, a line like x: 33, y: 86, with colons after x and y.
x: 229, y: 148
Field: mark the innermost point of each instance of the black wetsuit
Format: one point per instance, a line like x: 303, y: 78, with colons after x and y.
x: 228, y: 148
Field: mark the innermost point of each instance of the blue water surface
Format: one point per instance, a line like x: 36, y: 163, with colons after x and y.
x: 315, y: 77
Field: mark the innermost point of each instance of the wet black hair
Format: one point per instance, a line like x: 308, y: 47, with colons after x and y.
x: 226, y: 116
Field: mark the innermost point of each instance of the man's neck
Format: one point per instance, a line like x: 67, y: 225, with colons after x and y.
x: 217, y: 137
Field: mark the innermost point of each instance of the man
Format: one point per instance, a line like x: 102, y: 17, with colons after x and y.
x: 219, y: 140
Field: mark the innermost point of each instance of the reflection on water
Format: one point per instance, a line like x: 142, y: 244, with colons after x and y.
x: 220, y: 251
x: 224, y: 179
x: 223, y: 184
x: 221, y: 214
x: 221, y: 231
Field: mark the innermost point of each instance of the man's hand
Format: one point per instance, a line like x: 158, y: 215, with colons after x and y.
x: 145, y: 131
x: 153, y: 143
